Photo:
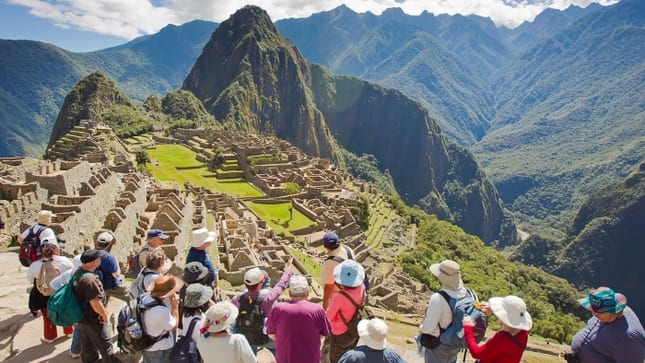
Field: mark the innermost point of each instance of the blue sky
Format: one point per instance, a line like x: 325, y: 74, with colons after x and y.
x: 86, y: 25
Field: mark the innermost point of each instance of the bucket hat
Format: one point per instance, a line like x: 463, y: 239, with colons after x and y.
x: 511, y: 310
x: 604, y: 300
x: 349, y: 273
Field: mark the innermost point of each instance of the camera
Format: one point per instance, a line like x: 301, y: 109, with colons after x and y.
x: 571, y: 357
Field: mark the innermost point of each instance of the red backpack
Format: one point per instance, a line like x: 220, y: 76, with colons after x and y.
x: 30, y: 247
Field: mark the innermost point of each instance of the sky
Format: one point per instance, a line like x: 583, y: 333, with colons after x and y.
x: 87, y: 25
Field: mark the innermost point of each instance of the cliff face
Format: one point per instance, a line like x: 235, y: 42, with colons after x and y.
x: 250, y: 78
x: 88, y: 99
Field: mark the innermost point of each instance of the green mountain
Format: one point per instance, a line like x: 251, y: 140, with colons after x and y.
x: 250, y: 78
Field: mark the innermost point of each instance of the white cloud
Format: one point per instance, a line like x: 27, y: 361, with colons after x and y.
x: 132, y: 18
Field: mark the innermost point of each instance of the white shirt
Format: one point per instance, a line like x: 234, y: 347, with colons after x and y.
x: 185, y: 323
x: 439, y: 313
x: 157, y: 321
x: 230, y: 348
x: 63, y: 263
x: 38, y: 229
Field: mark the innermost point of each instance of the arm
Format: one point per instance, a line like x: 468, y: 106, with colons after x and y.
x: 273, y: 336
x: 433, y: 313
x: 277, y: 290
x: 327, y: 292
x: 488, y: 350
x: 99, y: 308
x: 174, y: 309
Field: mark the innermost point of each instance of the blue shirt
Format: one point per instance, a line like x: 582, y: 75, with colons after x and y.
x: 621, y: 341
x: 108, y: 266
x: 365, y: 354
x: 203, y: 257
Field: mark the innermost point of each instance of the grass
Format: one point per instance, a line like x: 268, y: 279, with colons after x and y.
x: 167, y: 157
x: 278, y: 217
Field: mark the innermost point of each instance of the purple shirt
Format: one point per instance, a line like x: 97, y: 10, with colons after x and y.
x: 298, y: 326
x: 622, y: 341
x: 271, y: 297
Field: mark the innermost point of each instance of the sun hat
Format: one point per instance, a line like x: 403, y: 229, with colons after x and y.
x: 104, y: 238
x: 45, y: 217
x: 511, y: 310
x: 349, y: 273
x: 448, y: 273
x: 253, y: 276
x: 219, y: 317
x: 157, y: 233
x: 373, y: 333
x: 298, y: 285
x: 331, y: 240
x: 164, y: 286
x: 90, y: 255
x: 201, y: 236
x: 194, y: 271
x: 197, y: 295
x: 604, y: 300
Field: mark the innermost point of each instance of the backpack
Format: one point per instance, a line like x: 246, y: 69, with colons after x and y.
x: 134, y: 264
x: 30, y: 247
x: 250, y: 321
x: 185, y: 349
x: 454, y: 333
x: 138, y: 288
x: 131, y: 314
x: 48, y: 271
x: 361, y: 313
x: 63, y: 307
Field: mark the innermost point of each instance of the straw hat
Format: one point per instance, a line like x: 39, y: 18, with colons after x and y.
x: 511, y: 310
x: 45, y: 217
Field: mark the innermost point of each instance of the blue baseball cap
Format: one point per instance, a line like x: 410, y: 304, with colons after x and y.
x: 331, y: 240
x: 157, y: 233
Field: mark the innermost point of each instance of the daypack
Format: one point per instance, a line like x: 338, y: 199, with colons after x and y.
x: 454, y: 333
x: 250, y: 320
x: 63, y: 307
x: 30, y: 247
x: 131, y: 315
x: 185, y: 349
x: 134, y: 264
x: 48, y: 271
x: 137, y: 288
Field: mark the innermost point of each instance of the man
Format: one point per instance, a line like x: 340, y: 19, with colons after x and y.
x: 198, y: 252
x: 110, y: 272
x: 372, y: 333
x: 335, y: 255
x: 614, y: 332
x: 155, y: 238
x: 161, y: 320
x: 95, y: 328
x: 41, y: 228
x: 253, y: 280
x: 298, y: 325
x: 439, y: 313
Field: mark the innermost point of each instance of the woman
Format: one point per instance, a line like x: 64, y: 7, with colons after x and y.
x: 508, y: 344
x: 158, y: 264
x: 42, y: 273
x: 197, y: 300
x: 215, y: 341
x: 349, y: 275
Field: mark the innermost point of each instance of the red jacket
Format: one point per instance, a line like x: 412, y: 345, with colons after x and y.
x: 500, y: 348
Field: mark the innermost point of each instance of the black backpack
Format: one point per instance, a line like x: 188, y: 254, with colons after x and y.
x: 30, y: 247
x: 185, y: 349
x: 131, y: 314
x: 250, y: 321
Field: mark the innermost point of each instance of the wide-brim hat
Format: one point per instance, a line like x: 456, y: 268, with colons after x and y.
x: 373, y: 333
x: 164, y: 286
x: 511, y: 310
x: 197, y: 295
x: 604, y: 300
x: 201, y: 236
x: 45, y: 217
x: 448, y: 273
x: 349, y: 273
x: 194, y: 271
x: 220, y: 316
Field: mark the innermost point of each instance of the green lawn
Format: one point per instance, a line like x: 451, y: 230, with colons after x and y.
x: 277, y: 216
x: 167, y: 157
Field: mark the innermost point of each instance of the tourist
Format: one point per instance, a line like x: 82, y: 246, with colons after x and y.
x: 162, y: 319
x: 41, y: 273
x: 335, y: 255
x: 202, y: 239
x: 95, y: 327
x: 254, y: 294
x: 154, y: 238
x: 158, y: 264
x: 194, y: 273
x: 509, y: 343
x: 110, y: 272
x: 439, y: 313
x: 613, y: 334
x: 349, y: 275
x: 41, y: 228
x: 297, y: 325
x: 196, y: 301
x: 215, y: 341
x: 373, y: 334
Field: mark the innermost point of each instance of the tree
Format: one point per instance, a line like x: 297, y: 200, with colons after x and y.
x: 141, y: 157
x: 216, y: 160
x: 291, y: 188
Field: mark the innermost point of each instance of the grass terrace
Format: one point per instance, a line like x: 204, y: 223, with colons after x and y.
x: 178, y: 163
x: 277, y: 216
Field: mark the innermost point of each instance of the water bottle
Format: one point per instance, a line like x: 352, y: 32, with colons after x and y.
x: 134, y: 329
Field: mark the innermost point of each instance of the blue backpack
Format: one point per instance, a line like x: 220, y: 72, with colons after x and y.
x: 454, y: 333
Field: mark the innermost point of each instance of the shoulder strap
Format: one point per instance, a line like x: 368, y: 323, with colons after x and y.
x: 349, y: 252
x: 514, y: 340
x: 191, y: 327
x: 342, y: 317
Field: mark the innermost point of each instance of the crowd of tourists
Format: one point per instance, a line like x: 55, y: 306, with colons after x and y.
x: 172, y: 319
